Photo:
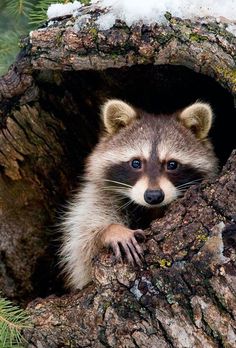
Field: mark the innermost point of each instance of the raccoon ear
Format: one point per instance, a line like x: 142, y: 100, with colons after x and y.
x: 117, y: 114
x: 198, y: 118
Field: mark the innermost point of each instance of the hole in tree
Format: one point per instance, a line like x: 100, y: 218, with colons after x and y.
x: 75, y: 98
x: 158, y: 89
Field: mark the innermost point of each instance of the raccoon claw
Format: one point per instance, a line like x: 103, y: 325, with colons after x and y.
x: 132, y: 251
x: 116, y: 250
x: 139, y: 235
x: 124, y: 243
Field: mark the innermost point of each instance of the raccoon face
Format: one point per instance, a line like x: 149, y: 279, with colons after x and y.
x: 153, y: 159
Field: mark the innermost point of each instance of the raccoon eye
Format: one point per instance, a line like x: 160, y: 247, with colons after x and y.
x: 171, y: 165
x: 136, y: 164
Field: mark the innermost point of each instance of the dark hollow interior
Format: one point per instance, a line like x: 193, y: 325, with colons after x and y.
x: 75, y: 98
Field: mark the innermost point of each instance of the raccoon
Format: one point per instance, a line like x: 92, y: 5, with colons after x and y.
x: 142, y: 163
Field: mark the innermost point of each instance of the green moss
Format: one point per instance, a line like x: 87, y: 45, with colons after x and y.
x: 202, y: 237
x: 197, y: 38
x: 164, y: 263
x: 94, y: 32
x: 173, y: 21
x: 168, y: 16
x: 228, y: 74
x: 58, y: 39
x: 170, y: 298
x: 162, y: 39
x: 106, y: 305
x: 85, y: 2
x: 114, y: 55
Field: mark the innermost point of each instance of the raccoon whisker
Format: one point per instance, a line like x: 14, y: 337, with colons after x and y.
x: 115, y: 190
x: 182, y: 191
x: 120, y: 194
x: 136, y: 207
x: 184, y: 187
x: 114, y: 187
x: 124, y: 206
x: 189, y: 183
x: 118, y: 183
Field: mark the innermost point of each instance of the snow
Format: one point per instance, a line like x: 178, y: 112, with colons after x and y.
x: 232, y: 29
x: 60, y: 10
x: 106, y: 21
x: 149, y: 11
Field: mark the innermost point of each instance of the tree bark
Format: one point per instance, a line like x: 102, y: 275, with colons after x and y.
x: 184, y: 296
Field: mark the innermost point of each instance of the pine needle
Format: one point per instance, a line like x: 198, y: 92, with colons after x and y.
x: 38, y: 14
x: 19, y: 7
x: 18, y: 17
x: 12, y: 321
x: 8, y: 49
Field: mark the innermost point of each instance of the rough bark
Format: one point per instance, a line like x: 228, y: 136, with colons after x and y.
x: 49, y: 106
x: 202, y: 45
x: 184, y: 296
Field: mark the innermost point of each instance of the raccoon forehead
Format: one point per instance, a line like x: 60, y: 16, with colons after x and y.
x: 164, y: 137
x: 125, y: 153
x: 184, y: 153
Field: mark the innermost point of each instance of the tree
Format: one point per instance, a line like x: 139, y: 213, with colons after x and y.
x: 49, y: 105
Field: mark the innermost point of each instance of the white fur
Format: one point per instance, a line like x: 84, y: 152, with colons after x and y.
x: 171, y: 193
x: 83, y: 224
x: 137, y: 191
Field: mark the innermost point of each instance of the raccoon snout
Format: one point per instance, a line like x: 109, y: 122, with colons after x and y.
x: 154, y: 196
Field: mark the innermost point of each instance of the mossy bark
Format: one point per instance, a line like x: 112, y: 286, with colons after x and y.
x: 49, y: 104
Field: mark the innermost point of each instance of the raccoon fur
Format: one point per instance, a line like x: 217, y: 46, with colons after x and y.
x: 141, y: 164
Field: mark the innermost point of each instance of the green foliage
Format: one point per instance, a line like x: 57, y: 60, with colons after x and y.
x: 8, y: 48
x: 18, y: 17
x: 12, y: 321
x: 38, y: 15
x: 19, y: 7
x: 13, y: 25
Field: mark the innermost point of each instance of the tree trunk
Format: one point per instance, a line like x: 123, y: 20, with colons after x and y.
x: 184, y: 296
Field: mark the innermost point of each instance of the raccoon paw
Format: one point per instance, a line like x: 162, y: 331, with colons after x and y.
x: 124, y: 243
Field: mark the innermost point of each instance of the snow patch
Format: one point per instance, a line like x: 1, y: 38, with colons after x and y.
x: 232, y: 29
x: 106, y: 21
x: 150, y: 11
x: 60, y: 10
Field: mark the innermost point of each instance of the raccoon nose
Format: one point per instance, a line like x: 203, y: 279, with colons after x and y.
x: 154, y: 196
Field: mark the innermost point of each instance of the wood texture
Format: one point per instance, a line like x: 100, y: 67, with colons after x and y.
x: 184, y: 296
